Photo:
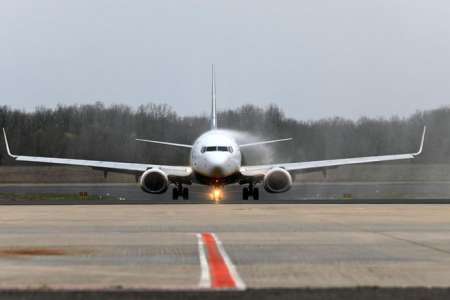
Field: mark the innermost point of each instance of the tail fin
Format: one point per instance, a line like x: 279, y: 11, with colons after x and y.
x: 213, y: 100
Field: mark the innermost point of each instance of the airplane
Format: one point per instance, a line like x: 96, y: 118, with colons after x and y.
x: 215, y: 161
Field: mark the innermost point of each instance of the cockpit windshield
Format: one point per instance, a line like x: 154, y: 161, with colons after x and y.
x: 217, y: 148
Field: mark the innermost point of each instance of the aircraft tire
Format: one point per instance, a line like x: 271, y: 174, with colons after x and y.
x: 185, y: 193
x: 175, y: 194
x: 255, y: 193
x: 245, y: 193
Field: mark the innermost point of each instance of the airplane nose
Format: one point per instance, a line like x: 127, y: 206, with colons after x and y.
x: 217, y: 171
x: 218, y: 165
x: 218, y: 160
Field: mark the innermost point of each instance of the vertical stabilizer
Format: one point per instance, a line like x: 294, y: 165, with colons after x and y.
x: 213, y: 101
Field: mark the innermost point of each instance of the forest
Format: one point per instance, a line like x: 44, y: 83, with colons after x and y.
x: 101, y: 132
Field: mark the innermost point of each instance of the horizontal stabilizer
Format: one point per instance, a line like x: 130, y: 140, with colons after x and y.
x: 165, y: 143
x: 264, y: 142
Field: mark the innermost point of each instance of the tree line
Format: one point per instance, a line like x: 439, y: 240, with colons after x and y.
x: 101, y: 132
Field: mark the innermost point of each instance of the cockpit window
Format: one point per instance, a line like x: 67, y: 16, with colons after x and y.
x: 217, y: 148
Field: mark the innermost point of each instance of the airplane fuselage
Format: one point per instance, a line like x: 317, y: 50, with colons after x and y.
x: 215, y: 157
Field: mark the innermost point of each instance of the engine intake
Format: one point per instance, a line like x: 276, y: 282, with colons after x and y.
x: 154, y: 181
x: 277, y: 180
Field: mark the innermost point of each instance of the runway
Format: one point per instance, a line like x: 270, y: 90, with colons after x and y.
x: 271, y: 246
x: 317, y: 192
x: 304, y: 243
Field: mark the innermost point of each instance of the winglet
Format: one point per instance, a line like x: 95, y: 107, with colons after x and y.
x: 7, y: 145
x: 421, y: 141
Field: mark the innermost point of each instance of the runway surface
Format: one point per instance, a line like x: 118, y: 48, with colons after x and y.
x: 270, y: 246
x: 276, y: 248
x: 321, y: 192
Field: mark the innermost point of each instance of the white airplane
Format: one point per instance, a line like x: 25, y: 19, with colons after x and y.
x: 216, y: 161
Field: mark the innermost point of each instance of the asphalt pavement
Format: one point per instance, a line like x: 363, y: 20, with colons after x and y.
x: 317, y: 192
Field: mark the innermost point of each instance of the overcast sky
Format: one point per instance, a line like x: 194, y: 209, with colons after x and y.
x: 314, y: 59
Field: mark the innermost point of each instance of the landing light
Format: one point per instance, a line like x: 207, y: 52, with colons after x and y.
x: 216, y: 194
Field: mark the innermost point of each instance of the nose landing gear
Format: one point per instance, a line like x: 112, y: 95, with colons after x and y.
x: 216, y: 194
x: 180, y: 191
x: 250, y: 191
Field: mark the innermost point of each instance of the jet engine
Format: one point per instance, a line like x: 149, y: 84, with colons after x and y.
x: 154, y: 181
x: 277, y: 180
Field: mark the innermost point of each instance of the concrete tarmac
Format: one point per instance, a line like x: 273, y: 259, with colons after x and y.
x: 271, y: 246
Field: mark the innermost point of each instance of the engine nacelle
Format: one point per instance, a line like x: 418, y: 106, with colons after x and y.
x: 154, y: 181
x: 277, y: 180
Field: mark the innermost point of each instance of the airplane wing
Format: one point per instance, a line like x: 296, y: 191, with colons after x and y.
x: 119, y: 167
x: 331, y: 163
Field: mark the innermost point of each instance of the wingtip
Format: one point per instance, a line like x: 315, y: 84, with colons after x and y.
x: 421, y: 141
x: 7, y: 144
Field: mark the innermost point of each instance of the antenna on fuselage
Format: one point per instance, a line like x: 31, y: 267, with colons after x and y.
x: 213, y: 101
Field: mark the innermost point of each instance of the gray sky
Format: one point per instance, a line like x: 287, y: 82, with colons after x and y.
x: 314, y: 59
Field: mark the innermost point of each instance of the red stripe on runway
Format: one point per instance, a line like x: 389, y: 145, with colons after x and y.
x: 220, y: 274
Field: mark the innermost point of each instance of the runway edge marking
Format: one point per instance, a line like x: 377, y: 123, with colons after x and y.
x: 217, y: 269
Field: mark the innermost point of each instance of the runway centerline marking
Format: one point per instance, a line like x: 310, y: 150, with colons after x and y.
x: 217, y: 269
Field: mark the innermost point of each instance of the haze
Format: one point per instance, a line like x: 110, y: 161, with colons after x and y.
x: 314, y: 59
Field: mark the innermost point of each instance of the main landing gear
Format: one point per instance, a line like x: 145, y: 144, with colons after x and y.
x: 180, y: 191
x: 250, y: 191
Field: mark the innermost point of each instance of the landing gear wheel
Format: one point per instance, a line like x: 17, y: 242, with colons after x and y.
x: 185, y: 193
x: 245, y: 193
x: 175, y: 194
x: 255, y: 194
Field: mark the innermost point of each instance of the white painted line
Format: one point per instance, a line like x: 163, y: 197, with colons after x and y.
x: 205, y: 278
x: 240, y: 285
